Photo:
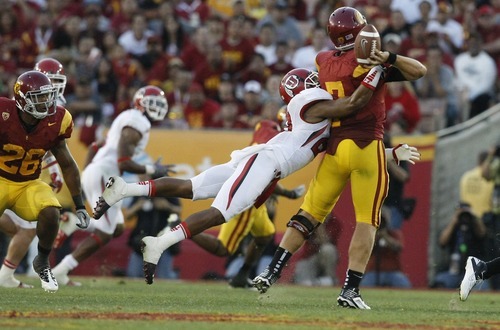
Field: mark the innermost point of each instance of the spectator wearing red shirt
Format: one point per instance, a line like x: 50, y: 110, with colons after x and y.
x: 208, y: 72
x: 194, y: 52
x: 237, y: 51
x: 10, y: 35
x: 122, y: 18
x: 192, y: 13
x: 36, y: 41
x: 298, y: 9
x: 200, y: 111
x: 489, y: 30
x: 415, y: 45
x: 155, y: 62
x: 402, y: 108
x: 256, y: 70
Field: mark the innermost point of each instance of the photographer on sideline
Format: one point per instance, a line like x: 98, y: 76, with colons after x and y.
x: 463, y: 236
x: 490, y: 169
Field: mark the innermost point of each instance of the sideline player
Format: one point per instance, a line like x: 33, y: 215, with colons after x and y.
x: 127, y: 137
x: 251, y: 174
x: 355, y: 154
x: 32, y: 125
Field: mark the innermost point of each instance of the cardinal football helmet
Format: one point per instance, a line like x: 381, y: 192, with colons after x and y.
x: 343, y: 26
x: 295, y: 81
x: 34, y: 94
x: 55, y: 71
x: 152, y: 100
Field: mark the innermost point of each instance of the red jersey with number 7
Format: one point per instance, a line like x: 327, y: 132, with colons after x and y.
x: 340, y: 75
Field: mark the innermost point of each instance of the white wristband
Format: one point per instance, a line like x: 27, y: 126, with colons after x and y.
x: 150, y: 169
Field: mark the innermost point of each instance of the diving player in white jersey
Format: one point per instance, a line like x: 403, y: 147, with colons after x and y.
x: 126, y: 138
x: 251, y: 173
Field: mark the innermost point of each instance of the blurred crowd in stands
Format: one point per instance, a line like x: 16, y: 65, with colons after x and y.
x: 221, y: 61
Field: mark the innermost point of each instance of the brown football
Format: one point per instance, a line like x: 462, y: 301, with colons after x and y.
x: 367, y: 40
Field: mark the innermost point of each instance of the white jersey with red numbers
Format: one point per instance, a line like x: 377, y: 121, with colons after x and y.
x: 237, y: 184
x: 296, y: 147
x: 105, y: 165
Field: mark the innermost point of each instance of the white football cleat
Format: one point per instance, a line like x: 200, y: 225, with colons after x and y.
x: 151, y: 253
x: 49, y: 282
x: 474, y: 269
x: 115, y: 191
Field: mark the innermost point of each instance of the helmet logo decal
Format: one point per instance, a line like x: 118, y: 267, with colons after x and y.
x: 359, y: 18
x: 17, y: 87
x: 349, y: 36
x: 5, y: 115
x: 291, y: 83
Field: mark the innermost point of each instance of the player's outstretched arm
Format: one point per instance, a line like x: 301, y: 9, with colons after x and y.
x: 347, y: 106
x: 410, y: 68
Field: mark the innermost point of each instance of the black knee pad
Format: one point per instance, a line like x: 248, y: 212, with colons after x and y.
x: 302, y: 224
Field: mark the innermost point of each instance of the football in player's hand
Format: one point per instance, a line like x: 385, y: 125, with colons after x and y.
x: 367, y: 40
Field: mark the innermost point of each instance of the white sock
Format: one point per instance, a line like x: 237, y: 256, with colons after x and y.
x: 142, y: 188
x: 7, y: 270
x: 7, y: 279
x: 66, y: 265
x: 175, y: 235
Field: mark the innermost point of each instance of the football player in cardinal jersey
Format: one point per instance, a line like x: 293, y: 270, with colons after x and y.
x: 32, y: 124
x: 23, y: 232
x: 251, y: 174
x: 127, y: 137
x: 355, y: 153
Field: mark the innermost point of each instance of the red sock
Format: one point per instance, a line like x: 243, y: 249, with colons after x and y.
x: 185, y: 229
x: 152, y: 188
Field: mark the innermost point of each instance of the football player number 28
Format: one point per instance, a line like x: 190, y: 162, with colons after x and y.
x: 337, y: 90
x: 30, y: 160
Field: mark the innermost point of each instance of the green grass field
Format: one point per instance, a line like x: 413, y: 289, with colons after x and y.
x: 119, y: 303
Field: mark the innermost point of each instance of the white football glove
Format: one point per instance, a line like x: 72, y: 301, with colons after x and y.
x: 404, y: 152
x: 83, y: 218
